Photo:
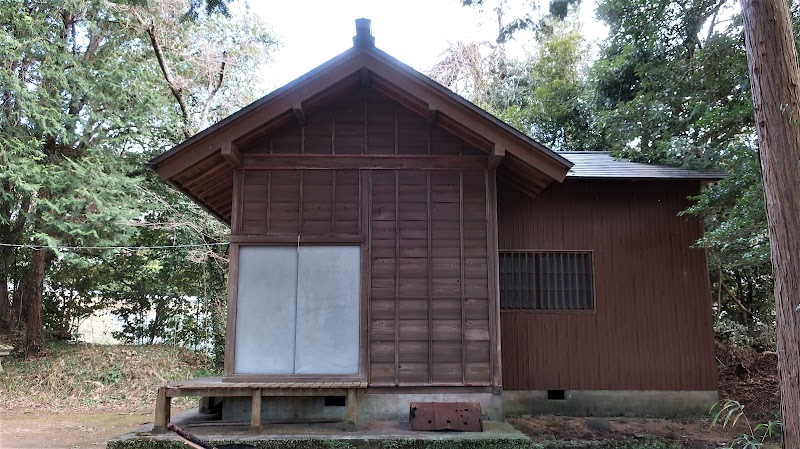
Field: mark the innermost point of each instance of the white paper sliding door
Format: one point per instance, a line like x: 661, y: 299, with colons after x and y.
x: 265, y: 310
x: 298, y: 310
x: 327, y: 310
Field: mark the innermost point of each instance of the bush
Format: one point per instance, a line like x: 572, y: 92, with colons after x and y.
x: 760, y: 337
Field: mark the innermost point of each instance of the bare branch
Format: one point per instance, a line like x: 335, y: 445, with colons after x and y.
x: 213, y: 90
x: 730, y: 295
x: 176, y: 90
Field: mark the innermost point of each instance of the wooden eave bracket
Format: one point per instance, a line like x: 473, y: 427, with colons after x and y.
x: 496, y: 156
x: 232, y: 155
x: 433, y: 115
x: 299, y: 114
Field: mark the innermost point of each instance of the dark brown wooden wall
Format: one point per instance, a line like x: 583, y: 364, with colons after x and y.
x: 429, y: 299
x: 652, y: 329
x: 363, y: 122
x: 301, y: 202
x: 426, y: 235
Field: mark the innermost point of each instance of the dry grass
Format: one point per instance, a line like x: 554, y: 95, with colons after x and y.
x: 90, y: 377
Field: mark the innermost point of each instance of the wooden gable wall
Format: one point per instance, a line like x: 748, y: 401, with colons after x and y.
x: 425, y: 230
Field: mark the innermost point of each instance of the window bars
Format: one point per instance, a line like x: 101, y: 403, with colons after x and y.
x: 546, y: 280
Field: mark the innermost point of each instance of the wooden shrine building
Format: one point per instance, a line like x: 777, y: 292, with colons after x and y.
x: 392, y: 242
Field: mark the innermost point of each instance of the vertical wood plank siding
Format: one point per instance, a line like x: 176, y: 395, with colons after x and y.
x: 652, y: 329
x: 429, y: 302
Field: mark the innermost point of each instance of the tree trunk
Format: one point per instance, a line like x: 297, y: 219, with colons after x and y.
x: 775, y: 78
x: 15, y: 315
x: 33, y: 290
x: 739, y: 289
x: 5, y: 300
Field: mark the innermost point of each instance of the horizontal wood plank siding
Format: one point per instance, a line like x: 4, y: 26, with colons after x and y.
x: 427, y: 328
x: 652, y: 326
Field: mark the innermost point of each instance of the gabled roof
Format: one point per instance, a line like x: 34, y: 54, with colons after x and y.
x: 202, y: 160
x: 601, y: 165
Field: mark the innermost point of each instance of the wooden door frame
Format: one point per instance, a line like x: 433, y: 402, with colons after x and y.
x: 238, y: 240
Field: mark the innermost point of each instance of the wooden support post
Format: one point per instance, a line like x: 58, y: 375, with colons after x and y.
x: 255, y: 411
x: 352, y: 411
x: 162, y: 411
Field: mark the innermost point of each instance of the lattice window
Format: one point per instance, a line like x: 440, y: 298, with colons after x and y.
x: 546, y: 280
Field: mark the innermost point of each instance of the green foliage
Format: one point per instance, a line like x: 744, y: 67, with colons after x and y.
x: 74, y: 96
x: 664, y: 96
x: 736, y: 239
x: 531, y: 17
x: 64, y: 118
x: 759, y: 336
x: 545, y: 95
x: 83, y: 103
x: 551, y: 101
x: 728, y: 412
x: 194, y: 9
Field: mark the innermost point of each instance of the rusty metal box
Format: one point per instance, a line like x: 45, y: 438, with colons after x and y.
x: 460, y: 416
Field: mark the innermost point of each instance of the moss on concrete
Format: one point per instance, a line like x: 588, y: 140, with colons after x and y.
x: 144, y: 442
x: 646, y: 442
x: 153, y: 443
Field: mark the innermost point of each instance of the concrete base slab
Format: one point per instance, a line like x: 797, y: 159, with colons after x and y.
x: 377, y: 434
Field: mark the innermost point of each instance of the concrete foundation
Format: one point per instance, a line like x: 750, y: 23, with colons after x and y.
x: 283, y: 408
x: 371, y: 407
x: 511, y: 403
x: 650, y: 403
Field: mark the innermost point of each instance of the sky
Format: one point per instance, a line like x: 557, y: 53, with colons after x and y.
x: 414, y: 31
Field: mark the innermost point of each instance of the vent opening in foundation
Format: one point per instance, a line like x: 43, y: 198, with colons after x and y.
x: 335, y: 401
x: 557, y: 395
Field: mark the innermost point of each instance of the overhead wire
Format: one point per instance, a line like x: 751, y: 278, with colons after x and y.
x: 186, y: 245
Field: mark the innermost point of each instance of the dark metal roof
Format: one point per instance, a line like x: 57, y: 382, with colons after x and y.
x: 601, y: 165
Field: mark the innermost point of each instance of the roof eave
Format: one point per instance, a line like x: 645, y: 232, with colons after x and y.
x: 525, y: 141
x: 708, y: 178
x: 463, y: 101
x: 197, y: 138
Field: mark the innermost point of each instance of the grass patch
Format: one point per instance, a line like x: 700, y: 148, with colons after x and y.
x: 81, y: 376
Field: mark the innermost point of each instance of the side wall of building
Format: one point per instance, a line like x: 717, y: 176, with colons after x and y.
x: 652, y: 324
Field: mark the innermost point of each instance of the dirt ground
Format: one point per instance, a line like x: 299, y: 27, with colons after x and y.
x: 66, y: 430
x: 691, y: 433
x: 745, y: 375
x: 751, y: 378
